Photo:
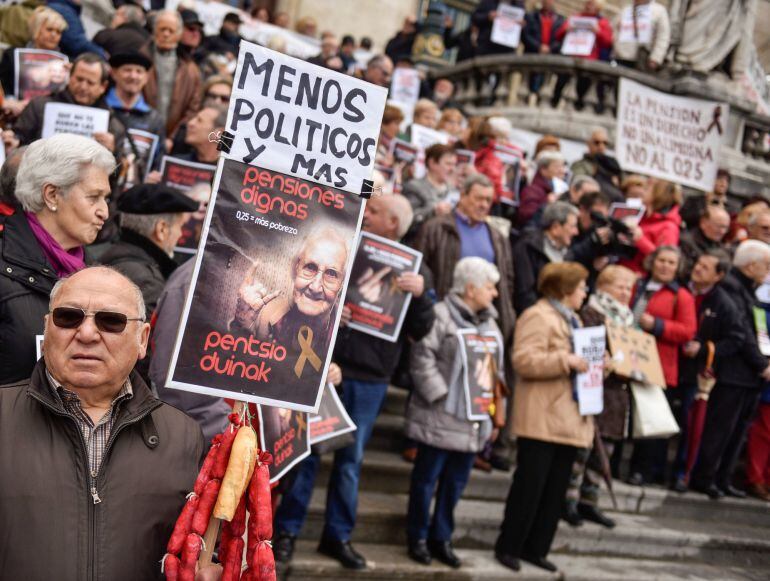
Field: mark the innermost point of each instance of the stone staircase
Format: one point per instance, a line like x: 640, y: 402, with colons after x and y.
x: 659, y: 534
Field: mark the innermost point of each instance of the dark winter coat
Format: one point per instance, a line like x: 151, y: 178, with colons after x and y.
x: 128, y: 37
x: 46, y: 501
x: 26, y: 280
x: 529, y: 258
x: 693, y: 243
x: 531, y: 33
x: 674, y: 310
x: 73, y: 40
x: 743, y: 369
x: 480, y: 18
x: 143, y: 262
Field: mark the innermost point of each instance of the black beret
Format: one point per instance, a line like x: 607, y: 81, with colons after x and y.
x: 130, y: 58
x: 155, y: 199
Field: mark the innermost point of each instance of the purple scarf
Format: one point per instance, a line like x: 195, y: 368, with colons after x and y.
x: 64, y: 262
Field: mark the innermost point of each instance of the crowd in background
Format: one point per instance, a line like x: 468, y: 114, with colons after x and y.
x: 530, y: 258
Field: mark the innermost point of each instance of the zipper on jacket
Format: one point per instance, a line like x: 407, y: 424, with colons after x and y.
x: 94, y: 478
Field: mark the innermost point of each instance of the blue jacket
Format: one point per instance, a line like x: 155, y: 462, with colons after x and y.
x: 73, y: 39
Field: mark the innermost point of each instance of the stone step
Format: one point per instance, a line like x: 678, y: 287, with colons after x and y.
x: 388, y: 562
x: 382, y: 520
x: 387, y: 472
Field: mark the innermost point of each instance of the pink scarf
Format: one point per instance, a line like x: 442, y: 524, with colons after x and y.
x: 64, y: 262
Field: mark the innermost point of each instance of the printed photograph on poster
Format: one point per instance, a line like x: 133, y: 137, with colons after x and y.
x: 482, y: 357
x: 627, y: 213
x: 405, y: 160
x: 378, y: 307
x: 193, y: 179
x: 39, y: 72
x: 264, y: 305
x: 678, y: 139
x: 511, y: 157
x: 332, y: 419
x: 405, y: 85
x: 283, y: 433
x: 139, y: 149
x: 293, y: 117
x: 581, y: 39
x: 590, y: 344
x: 66, y: 118
x: 506, y: 27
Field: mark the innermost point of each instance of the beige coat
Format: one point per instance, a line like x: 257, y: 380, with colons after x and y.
x: 543, y: 406
x: 661, y: 37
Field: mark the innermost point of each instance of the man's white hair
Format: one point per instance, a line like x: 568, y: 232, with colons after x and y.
x: 59, y: 161
x: 174, y: 14
x: 473, y: 270
x: 138, y: 298
x: 500, y: 126
x: 546, y: 158
x: 751, y: 251
x: 400, y: 208
x: 144, y: 224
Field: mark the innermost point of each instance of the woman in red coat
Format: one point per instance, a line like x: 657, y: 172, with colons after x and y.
x: 666, y: 310
x: 660, y: 224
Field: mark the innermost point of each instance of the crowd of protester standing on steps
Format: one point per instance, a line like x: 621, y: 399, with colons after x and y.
x: 694, y: 272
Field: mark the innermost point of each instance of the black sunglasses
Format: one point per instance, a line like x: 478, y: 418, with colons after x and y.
x: 106, y: 321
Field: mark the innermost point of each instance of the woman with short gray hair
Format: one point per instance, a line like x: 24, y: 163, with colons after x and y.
x: 437, y: 415
x: 62, y: 187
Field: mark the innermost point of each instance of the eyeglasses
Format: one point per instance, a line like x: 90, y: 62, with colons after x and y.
x: 331, y: 278
x: 601, y: 142
x: 220, y: 98
x: 106, y: 321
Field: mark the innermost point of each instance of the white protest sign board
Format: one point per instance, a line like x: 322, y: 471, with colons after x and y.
x: 672, y: 138
x: 506, y: 27
x: 590, y: 345
x: 66, y: 118
x: 642, y: 32
x: 297, y: 118
x: 405, y: 85
x: 580, y: 41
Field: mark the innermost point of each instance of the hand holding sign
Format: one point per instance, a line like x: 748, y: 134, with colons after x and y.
x: 411, y: 282
x: 370, y: 283
x: 252, y: 296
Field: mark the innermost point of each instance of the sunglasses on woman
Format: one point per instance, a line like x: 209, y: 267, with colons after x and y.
x: 106, y: 321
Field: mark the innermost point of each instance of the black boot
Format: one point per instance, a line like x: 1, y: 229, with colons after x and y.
x: 442, y: 550
x: 541, y: 562
x: 343, y: 551
x: 593, y: 514
x: 570, y: 514
x: 508, y: 561
x: 283, y: 547
x: 418, y: 551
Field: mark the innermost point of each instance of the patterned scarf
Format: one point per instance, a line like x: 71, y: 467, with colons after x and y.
x: 609, y: 307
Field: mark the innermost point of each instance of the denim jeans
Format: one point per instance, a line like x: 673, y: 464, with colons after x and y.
x: 451, y: 470
x: 363, y: 401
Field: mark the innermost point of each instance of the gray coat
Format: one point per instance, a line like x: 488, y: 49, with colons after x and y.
x: 423, y: 196
x: 438, y: 384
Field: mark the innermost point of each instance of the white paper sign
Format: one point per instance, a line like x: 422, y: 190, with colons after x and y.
x: 293, y: 117
x: 66, y: 118
x: 672, y: 138
x: 581, y: 40
x: 590, y: 345
x: 506, y: 28
x: 642, y: 33
x: 405, y: 85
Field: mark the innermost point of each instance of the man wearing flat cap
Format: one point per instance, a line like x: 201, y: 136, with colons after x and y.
x: 130, y: 73
x: 151, y: 222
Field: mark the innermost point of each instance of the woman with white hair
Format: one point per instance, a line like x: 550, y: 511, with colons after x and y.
x: 437, y: 414
x: 541, y: 191
x: 61, y: 186
x: 45, y: 30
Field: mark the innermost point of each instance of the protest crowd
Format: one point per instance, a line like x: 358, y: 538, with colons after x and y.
x: 505, y: 268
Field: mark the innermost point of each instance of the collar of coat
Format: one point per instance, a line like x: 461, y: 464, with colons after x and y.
x: 166, y: 264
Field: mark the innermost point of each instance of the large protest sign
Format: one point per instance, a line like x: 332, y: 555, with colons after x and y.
x: 482, y: 356
x: 506, y: 27
x: 283, y: 433
x: 590, y: 345
x: 293, y: 117
x: 580, y: 40
x: 263, y: 310
x: 377, y: 305
x: 194, y: 180
x: 672, y: 138
x: 39, y: 72
x: 66, y: 118
x: 332, y: 419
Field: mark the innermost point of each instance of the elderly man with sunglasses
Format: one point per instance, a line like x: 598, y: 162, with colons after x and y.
x: 93, y: 469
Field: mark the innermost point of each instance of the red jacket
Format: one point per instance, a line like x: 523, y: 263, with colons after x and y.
x: 488, y: 163
x: 603, y: 36
x: 675, y: 323
x: 658, y: 229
